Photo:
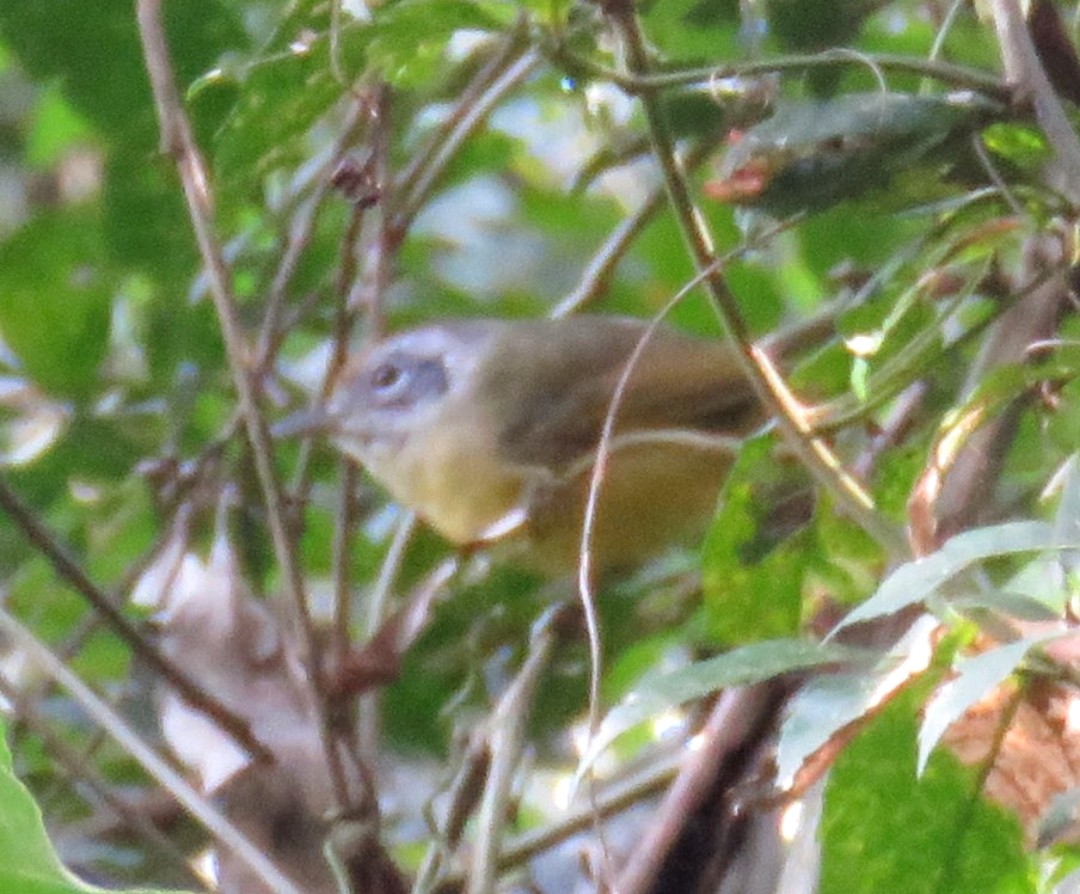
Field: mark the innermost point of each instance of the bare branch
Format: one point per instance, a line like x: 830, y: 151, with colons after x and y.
x: 69, y: 570
x: 178, y: 141
x: 216, y: 824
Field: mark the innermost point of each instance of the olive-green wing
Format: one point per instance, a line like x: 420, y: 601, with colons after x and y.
x: 553, y: 385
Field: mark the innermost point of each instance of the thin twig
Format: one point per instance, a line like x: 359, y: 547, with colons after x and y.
x: 608, y: 800
x: 341, y: 560
x: 1024, y: 70
x: 197, y: 805
x: 366, y: 293
x: 428, y: 176
x: 944, y: 28
x: 82, y: 771
x: 611, y: 798
x: 344, y: 319
x: 493, y: 71
x: 640, y: 82
x: 507, y: 740
x: 596, y: 277
x: 603, y: 451
x: 300, y: 231
x: 68, y: 569
x: 377, y: 604
x: 463, y: 794
x: 769, y: 386
x: 178, y: 141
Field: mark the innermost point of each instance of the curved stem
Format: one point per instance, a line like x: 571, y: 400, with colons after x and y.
x: 638, y: 83
x: 759, y: 370
x: 421, y: 177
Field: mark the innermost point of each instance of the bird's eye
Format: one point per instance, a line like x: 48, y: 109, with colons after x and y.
x: 402, y: 380
x: 386, y: 375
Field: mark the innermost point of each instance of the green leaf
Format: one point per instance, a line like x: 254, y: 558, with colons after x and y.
x: 55, y: 294
x: 28, y: 863
x: 752, y: 589
x: 884, y: 829
x: 976, y: 677
x: 57, y: 126
x: 660, y: 692
x: 695, y: 28
x: 1020, y: 143
x: 827, y: 704
x: 146, y: 224
x: 92, y: 48
x: 409, y: 40
x: 812, y: 155
x: 916, y: 581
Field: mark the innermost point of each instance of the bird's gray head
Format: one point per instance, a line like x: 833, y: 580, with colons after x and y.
x: 402, y: 384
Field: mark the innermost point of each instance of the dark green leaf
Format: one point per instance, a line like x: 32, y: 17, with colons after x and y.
x: 812, y: 155
x: 884, y: 829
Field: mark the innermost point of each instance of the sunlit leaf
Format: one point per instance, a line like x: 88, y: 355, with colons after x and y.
x: 885, y: 829
x: 28, y: 863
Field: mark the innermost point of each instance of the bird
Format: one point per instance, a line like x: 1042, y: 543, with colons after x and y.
x: 489, y: 429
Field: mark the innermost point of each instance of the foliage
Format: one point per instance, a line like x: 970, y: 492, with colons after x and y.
x: 894, y: 211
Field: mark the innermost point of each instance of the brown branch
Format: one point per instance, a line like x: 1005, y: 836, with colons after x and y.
x: 1025, y: 71
x: 366, y: 294
x: 177, y: 141
x: 300, y: 231
x: 738, y: 719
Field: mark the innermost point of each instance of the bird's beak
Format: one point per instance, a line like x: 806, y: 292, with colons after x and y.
x: 316, y: 420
